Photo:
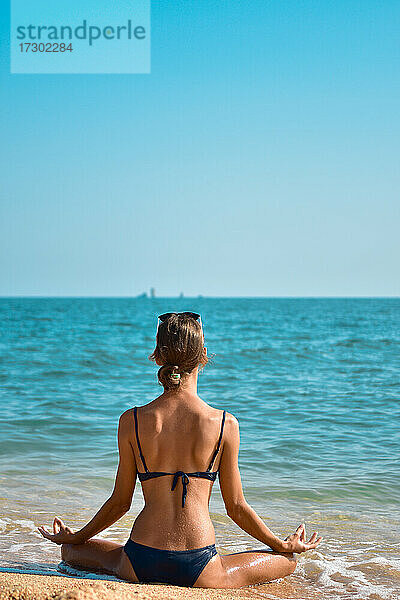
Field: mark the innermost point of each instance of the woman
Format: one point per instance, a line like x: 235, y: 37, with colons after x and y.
x: 176, y: 445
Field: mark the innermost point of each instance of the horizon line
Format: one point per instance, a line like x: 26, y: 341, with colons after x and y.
x: 197, y: 297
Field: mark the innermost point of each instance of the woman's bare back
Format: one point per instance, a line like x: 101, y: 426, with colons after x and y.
x: 176, y: 434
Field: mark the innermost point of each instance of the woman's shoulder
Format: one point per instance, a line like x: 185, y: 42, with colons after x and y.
x: 126, y: 419
x: 128, y: 414
x: 230, y: 422
x: 230, y: 418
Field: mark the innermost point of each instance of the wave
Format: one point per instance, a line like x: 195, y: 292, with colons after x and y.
x: 351, y: 578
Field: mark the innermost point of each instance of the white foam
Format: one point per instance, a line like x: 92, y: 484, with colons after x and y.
x: 394, y: 563
x: 16, y: 524
x: 328, y: 570
x: 25, y: 523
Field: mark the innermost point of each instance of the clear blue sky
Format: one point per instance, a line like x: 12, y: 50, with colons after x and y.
x: 259, y: 158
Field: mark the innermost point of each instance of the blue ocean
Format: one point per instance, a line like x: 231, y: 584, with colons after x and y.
x: 313, y: 382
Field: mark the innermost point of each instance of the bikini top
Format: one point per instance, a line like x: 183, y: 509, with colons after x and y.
x: 211, y: 475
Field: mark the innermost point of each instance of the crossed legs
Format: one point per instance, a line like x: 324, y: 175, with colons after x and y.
x: 227, y: 571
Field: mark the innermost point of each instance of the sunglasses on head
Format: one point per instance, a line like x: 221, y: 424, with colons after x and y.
x: 166, y: 316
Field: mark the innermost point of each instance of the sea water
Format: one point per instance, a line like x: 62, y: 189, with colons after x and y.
x: 313, y: 382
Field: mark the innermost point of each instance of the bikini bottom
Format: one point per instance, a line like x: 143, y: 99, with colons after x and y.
x: 176, y: 567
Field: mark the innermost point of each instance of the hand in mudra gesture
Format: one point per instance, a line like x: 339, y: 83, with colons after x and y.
x: 297, y: 542
x: 61, y: 533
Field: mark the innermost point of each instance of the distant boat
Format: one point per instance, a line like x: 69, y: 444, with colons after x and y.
x: 152, y: 293
x: 181, y: 295
x: 144, y: 295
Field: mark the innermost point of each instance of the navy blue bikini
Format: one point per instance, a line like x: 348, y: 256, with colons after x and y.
x: 176, y: 567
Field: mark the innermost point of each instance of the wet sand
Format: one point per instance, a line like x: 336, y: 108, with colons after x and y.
x: 20, y: 586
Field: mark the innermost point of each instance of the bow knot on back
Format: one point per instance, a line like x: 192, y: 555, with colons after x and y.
x: 185, y: 482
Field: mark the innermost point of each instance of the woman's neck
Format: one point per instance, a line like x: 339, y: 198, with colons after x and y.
x: 187, y: 386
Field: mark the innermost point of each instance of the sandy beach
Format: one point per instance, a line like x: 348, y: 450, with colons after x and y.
x: 20, y: 586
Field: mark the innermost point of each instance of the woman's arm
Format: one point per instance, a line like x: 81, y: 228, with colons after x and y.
x: 118, y: 503
x: 237, y: 507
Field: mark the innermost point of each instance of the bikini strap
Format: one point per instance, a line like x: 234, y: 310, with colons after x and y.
x: 219, y: 442
x: 138, y: 441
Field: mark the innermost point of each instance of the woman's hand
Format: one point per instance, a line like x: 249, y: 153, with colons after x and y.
x: 297, y: 541
x: 61, y: 533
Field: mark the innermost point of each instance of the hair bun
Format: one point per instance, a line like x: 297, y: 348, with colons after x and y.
x: 169, y: 375
x: 175, y: 376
